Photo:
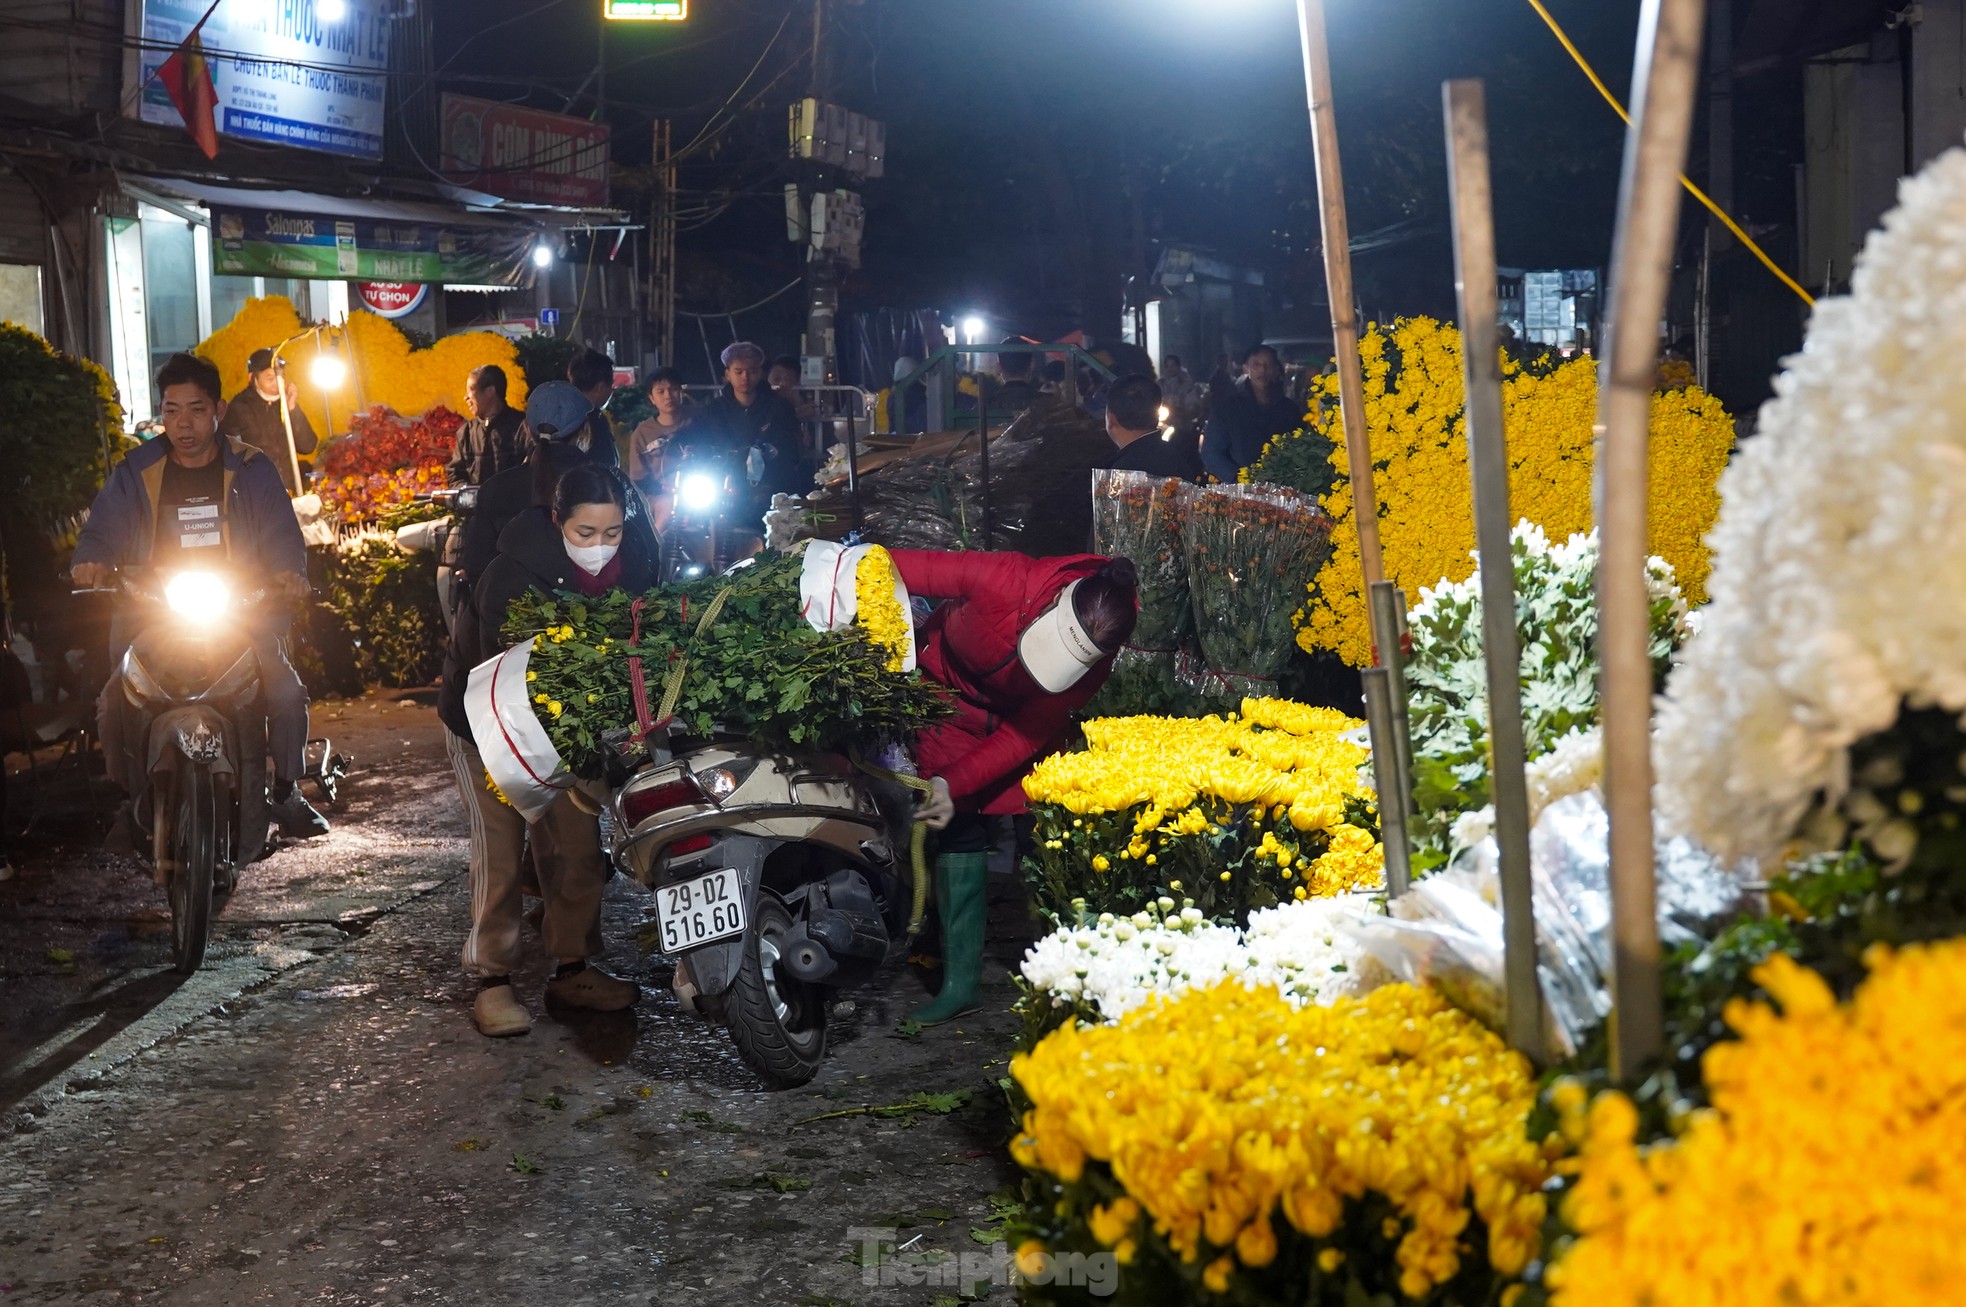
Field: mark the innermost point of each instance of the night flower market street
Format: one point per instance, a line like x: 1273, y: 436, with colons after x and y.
x: 313, y: 1119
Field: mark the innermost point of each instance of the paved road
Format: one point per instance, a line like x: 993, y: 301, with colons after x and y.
x: 313, y: 1119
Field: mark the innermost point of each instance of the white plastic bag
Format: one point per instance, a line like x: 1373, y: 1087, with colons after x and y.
x: 514, y: 745
x: 829, y: 598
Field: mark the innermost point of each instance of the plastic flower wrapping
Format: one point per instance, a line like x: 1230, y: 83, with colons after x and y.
x: 1828, y: 1170
x: 1236, y: 813
x: 1104, y: 970
x: 1848, y: 500
x: 1414, y: 419
x: 1232, y: 1142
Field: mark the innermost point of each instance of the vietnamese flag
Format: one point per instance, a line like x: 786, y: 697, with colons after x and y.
x: 187, y: 78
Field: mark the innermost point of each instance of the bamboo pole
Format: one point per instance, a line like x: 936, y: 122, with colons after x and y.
x: 1337, y: 239
x: 1466, y: 109
x: 1395, y: 780
x: 1665, y: 77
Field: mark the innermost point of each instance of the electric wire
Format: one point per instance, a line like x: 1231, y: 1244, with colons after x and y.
x: 1687, y: 182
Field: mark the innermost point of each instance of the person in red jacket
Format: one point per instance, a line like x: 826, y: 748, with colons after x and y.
x: 1024, y: 643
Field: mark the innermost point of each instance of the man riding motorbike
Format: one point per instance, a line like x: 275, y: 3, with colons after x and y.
x: 190, y: 498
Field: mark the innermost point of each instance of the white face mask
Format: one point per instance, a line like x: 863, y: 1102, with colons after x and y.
x: 591, y: 558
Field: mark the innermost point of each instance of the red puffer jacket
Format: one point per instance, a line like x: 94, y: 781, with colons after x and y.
x: 1003, y: 721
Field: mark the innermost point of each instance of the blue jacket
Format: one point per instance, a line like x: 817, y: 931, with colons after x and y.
x: 263, y: 536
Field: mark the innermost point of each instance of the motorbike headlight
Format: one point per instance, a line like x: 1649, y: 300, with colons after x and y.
x: 197, y: 594
x: 697, y: 492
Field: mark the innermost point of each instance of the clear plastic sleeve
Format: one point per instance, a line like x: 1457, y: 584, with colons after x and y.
x: 1447, y: 930
x: 1252, y: 552
x: 1138, y: 516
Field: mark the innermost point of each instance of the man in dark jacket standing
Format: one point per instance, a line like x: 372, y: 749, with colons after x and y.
x: 495, y: 438
x: 190, y: 499
x: 254, y: 417
x: 1144, y: 442
x: 748, y: 416
x: 1253, y: 412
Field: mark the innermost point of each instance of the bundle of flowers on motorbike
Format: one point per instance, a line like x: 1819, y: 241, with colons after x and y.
x: 1235, y: 813
x: 743, y: 653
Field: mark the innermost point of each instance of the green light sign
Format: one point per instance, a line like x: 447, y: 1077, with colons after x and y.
x: 645, y: 11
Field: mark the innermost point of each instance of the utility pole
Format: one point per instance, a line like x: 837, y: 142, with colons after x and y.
x: 662, y: 245
x: 821, y: 353
x: 839, y: 148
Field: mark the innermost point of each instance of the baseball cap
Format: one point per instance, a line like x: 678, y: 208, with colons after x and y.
x: 556, y: 411
x: 259, y: 360
x: 1056, y: 650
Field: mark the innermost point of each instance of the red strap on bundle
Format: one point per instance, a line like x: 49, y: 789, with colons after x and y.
x: 637, y: 686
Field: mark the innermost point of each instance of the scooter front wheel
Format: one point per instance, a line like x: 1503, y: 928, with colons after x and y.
x: 193, y: 844
x: 778, y: 1023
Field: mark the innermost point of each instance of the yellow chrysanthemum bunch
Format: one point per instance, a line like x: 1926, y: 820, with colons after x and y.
x: 1828, y: 1171
x: 1233, y: 1122
x: 1236, y: 813
x: 383, y: 366
x: 1414, y: 417
x: 877, y: 609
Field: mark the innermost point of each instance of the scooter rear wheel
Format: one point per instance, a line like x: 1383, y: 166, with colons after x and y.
x: 194, y: 853
x: 777, y: 1023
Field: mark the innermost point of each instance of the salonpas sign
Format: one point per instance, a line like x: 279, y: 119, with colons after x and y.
x: 270, y: 243
x: 304, y: 73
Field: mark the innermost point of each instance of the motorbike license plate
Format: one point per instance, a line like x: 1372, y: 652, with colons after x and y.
x: 699, y: 910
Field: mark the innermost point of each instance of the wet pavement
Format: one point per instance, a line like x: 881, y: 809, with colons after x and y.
x: 313, y: 1118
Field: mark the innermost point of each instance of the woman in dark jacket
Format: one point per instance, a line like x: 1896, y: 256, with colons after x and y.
x: 577, y: 544
x: 1023, y: 643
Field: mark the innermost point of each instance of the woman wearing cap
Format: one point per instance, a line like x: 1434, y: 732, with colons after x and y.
x: 1023, y: 642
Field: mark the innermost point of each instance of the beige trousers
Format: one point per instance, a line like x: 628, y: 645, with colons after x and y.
x: 566, y: 852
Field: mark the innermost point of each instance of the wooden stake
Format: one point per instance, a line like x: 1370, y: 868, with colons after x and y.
x: 1488, y: 465
x: 1665, y: 76
x: 1338, y: 280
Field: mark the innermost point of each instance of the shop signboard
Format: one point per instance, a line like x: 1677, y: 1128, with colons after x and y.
x: 524, y: 154
x: 392, y: 299
x: 290, y: 73
x: 271, y: 243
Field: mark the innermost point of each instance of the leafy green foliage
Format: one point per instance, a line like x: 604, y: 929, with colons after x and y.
x: 62, y: 416
x: 756, y: 669
x: 1447, y: 677
x: 544, y: 357
x: 1300, y: 460
x: 387, y: 600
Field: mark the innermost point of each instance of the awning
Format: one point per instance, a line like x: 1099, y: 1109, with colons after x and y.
x: 259, y: 233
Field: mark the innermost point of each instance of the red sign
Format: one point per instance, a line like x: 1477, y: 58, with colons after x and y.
x: 392, y: 299
x: 524, y: 154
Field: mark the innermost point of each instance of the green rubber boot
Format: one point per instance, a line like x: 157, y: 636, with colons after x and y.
x: 959, y: 899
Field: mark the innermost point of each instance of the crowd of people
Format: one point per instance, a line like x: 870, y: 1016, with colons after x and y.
x: 565, y: 502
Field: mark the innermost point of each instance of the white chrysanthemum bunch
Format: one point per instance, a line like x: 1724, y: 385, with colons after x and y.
x: 1572, y: 766
x: 1107, y: 969
x: 1839, y: 581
